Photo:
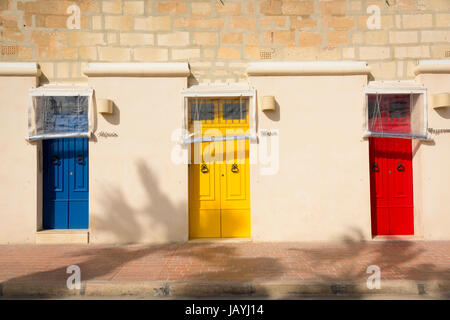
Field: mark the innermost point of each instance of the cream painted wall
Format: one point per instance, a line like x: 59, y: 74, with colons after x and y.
x: 137, y: 194
x: 433, y: 165
x: 322, y: 189
x: 19, y: 173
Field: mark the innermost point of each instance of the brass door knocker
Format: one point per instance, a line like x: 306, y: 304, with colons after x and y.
x: 55, y: 161
x: 204, y: 168
x: 234, y: 168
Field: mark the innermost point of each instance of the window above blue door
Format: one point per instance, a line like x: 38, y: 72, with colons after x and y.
x: 59, y: 113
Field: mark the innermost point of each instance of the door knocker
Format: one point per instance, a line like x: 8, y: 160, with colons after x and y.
x: 234, y: 168
x: 55, y: 161
x: 204, y: 168
x: 80, y: 160
x: 400, y: 167
x: 375, y: 167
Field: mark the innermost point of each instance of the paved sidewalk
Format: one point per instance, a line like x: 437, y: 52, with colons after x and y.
x: 227, y: 268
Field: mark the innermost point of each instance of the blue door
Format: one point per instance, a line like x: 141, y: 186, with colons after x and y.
x: 66, y: 184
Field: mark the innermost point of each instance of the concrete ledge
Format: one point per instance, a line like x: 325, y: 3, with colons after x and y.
x: 229, y: 288
x: 102, y: 288
x: 308, y: 68
x: 210, y: 289
x: 62, y: 236
x: 432, y: 66
x: 137, y: 69
x: 38, y: 289
x: 19, y: 69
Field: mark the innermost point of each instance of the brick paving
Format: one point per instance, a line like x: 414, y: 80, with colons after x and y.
x: 239, y: 261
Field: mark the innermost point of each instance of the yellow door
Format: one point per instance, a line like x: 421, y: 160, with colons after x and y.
x: 219, y: 173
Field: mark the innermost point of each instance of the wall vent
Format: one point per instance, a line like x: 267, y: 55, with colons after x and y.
x: 9, y: 50
x: 266, y: 54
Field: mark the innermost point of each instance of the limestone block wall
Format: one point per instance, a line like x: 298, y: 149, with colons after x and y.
x: 219, y: 37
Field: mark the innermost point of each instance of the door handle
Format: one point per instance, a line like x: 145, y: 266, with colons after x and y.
x: 234, y: 168
x: 55, y: 161
x: 375, y: 167
x: 80, y: 160
x: 400, y: 167
x: 204, y: 168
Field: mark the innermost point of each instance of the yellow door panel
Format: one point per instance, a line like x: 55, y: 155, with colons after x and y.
x: 204, y: 177
x: 235, y: 177
x: 204, y: 223
x: 235, y: 223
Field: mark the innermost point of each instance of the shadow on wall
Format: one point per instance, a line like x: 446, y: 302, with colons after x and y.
x: 113, y: 118
x: 273, y: 115
x: 443, y: 112
x: 124, y: 221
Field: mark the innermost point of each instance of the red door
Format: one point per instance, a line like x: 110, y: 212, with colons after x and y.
x: 391, y: 186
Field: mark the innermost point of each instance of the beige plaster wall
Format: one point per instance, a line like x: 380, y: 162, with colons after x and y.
x: 19, y: 173
x: 137, y: 194
x: 322, y: 190
x: 433, y: 165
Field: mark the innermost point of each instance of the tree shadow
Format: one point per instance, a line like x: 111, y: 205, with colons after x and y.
x: 348, y: 260
x: 134, y: 261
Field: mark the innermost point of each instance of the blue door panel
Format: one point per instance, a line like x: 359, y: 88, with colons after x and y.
x: 66, y: 183
x: 77, y: 217
x: 54, y: 166
x: 55, y: 214
x: 78, y: 182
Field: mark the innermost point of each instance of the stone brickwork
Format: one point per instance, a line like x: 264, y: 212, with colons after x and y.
x: 219, y: 37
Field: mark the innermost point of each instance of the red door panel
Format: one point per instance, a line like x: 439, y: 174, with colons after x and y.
x: 391, y: 186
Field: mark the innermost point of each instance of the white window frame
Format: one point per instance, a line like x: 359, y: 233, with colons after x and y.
x: 62, y: 91
x: 235, y: 93
x: 396, y: 90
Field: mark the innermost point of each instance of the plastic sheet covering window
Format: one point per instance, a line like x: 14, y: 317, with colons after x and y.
x: 395, y: 115
x: 59, y: 116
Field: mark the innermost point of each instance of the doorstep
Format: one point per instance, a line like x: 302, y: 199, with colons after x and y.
x: 220, y: 240
x: 62, y: 236
x: 397, y: 237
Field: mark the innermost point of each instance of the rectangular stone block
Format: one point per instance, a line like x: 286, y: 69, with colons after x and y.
x: 151, y: 54
x: 229, y: 8
x: 156, y: 23
x: 412, y: 52
x: 242, y: 23
x: 337, y: 37
x: 122, y: 23
x: 112, y: 6
x: 297, y: 8
x: 136, y: 39
x: 228, y: 53
x: 374, y: 53
x: 85, y: 38
x: 417, y: 21
x: 88, y: 53
x: 403, y: 36
x: 178, y: 7
x: 435, y: 36
x: 114, y: 54
x: 231, y: 38
x: 201, y: 8
x: 133, y: 7
x: 309, y: 39
x: 185, y: 54
x: 205, y: 38
x: 175, y: 39
x: 443, y: 20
